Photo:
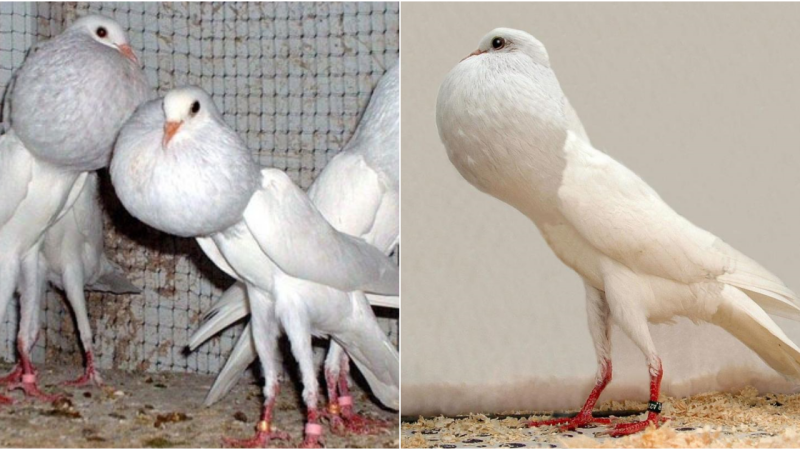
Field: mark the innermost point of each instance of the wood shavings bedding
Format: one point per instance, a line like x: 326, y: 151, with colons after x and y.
x: 745, y: 419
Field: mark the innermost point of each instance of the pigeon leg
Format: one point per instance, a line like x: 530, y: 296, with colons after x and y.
x: 313, y: 430
x: 73, y: 286
x: 264, y: 431
x: 90, y: 375
x: 32, y: 291
x: 334, y: 413
x: 28, y: 382
x: 584, y: 417
x: 263, y: 322
x: 634, y: 324
x: 9, y: 271
x: 600, y: 328
x: 300, y: 338
x: 343, y: 418
x: 653, y: 409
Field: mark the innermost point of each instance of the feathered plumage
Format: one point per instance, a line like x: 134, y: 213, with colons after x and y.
x: 181, y: 169
x: 510, y: 131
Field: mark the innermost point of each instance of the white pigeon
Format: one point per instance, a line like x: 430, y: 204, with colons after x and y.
x: 74, y: 255
x: 70, y: 98
x: 179, y: 168
x: 510, y: 131
x: 358, y: 194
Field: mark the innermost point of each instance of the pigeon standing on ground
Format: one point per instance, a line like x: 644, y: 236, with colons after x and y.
x: 70, y: 98
x: 510, y: 131
x: 358, y: 194
x: 74, y: 255
x: 179, y: 168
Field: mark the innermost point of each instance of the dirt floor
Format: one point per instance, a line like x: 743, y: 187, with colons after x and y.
x: 719, y: 420
x: 161, y: 410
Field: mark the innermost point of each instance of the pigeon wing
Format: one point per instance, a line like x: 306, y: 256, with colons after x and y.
x: 619, y: 215
x: 292, y: 232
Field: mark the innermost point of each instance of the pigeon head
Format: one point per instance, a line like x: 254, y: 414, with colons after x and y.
x: 105, y: 31
x: 185, y: 109
x: 502, y: 42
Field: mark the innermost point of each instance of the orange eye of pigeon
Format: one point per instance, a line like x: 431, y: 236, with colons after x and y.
x: 101, y: 32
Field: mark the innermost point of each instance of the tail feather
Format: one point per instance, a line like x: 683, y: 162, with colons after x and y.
x: 113, y: 279
x: 230, y: 308
x: 760, y: 284
x: 742, y: 317
x: 767, y: 295
x: 242, y: 355
x: 387, y: 301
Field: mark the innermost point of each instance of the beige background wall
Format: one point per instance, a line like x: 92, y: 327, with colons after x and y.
x: 701, y: 100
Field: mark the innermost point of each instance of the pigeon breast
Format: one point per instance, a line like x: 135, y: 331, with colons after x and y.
x: 72, y: 95
x: 502, y: 121
x: 195, y: 187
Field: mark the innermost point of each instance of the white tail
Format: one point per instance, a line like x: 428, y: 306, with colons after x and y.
x: 232, y: 306
x: 740, y: 316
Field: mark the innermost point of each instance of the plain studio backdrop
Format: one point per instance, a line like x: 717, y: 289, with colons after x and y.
x: 701, y: 100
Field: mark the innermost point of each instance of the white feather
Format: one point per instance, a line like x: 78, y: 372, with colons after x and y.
x: 510, y: 131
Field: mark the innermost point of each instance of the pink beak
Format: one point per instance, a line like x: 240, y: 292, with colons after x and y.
x: 170, y: 128
x: 126, y: 50
x: 475, y: 53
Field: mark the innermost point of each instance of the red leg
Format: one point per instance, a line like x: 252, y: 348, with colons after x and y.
x: 313, y: 430
x: 90, y: 375
x: 334, y: 413
x: 654, y: 409
x: 264, y: 432
x: 28, y: 381
x: 343, y: 418
x: 584, y: 416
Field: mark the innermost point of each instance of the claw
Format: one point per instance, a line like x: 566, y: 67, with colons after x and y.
x: 31, y: 388
x: 90, y: 376
x: 571, y: 423
x: 343, y: 420
x: 625, y: 429
x: 261, y: 439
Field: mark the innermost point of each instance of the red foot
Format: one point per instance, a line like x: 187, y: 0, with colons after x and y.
x: 15, y: 376
x: 31, y: 388
x: 264, y: 434
x: 90, y: 376
x: 313, y: 433
x: 6, y: 401
x: 570, y: 423
x: 344, y: 420
x: 625, y: 429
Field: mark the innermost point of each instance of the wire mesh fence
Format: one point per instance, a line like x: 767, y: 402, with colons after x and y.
x: 291, y: 78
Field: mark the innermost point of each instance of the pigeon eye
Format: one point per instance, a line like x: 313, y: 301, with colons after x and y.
x: 498, y: 43
x: 195, y: 107
x: 101, y: 32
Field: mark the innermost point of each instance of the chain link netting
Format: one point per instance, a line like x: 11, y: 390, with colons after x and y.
x: 291, y: 78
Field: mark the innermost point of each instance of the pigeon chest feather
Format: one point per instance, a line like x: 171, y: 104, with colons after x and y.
x: 505, y: 135
x: 74, y: 84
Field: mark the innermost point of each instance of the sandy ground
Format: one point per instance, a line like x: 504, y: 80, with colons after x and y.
x: 161, y: 410
x: 747, y: 419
